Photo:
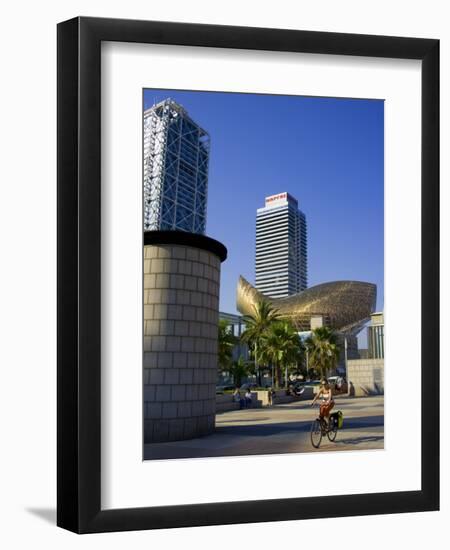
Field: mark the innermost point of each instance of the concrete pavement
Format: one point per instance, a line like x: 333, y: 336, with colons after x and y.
x: 281, y: 429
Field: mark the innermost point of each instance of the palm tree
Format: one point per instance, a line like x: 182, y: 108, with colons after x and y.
x: 227, y: 341
x: 281, y: 346
x: 323, y: 351
x: 263, y: 317
x: 238, y: 370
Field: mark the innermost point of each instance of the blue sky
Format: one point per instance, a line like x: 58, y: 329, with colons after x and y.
x: 328, y: 153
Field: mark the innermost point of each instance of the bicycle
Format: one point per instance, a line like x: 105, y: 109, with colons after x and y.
x: 320, y: 427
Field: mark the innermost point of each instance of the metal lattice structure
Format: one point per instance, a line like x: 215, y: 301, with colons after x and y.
x: 343, y: 305
x: 176, y: 157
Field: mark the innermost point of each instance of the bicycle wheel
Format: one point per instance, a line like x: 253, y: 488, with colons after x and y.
x: 316, y: 433
x: 332, y: 433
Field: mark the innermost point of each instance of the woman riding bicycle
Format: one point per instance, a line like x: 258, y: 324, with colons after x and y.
x: 327, y: 400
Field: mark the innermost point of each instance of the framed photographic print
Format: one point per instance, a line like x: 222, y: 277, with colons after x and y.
x: 248, y: 259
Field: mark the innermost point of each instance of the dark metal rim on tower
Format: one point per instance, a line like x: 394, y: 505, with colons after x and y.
x: 185, y: 238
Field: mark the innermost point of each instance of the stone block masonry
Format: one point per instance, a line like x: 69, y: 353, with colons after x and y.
x: 366, y: 377
x: 181, y: 312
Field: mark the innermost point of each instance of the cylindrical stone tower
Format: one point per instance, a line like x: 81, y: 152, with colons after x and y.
x: 181, y: 312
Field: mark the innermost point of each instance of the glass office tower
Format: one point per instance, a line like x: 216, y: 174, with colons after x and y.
x: 281, y: 249
x: 176, y: 155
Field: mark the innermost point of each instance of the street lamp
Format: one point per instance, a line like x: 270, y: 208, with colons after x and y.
x: 346, y: 365
x: 345, y: 354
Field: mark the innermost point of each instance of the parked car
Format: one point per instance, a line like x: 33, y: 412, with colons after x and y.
x: 299, y: 387
x: 338, y: 384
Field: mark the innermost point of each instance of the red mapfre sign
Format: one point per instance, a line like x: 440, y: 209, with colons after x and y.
x: 278, y: 197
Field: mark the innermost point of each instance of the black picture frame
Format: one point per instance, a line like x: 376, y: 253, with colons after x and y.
x: 79, y: 281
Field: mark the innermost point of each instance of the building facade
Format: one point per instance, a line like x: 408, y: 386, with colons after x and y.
x: 366, y: 374
x: 176, y: 157
x: 281, y: 267
x: 365, y: 377
x: 375, y: 336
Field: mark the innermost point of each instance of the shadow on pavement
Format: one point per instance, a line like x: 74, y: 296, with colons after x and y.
x: 267, y: 430
x: 359, y: 440
x: 363, y: 422
x: 262, y: 438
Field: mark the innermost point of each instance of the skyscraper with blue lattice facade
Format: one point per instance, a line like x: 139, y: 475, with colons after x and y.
x: 176, y: 156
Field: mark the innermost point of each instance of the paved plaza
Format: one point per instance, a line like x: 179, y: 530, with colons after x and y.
x: 281, y: 429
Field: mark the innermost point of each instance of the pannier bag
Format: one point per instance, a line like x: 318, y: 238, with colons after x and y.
x: 338, y: 419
